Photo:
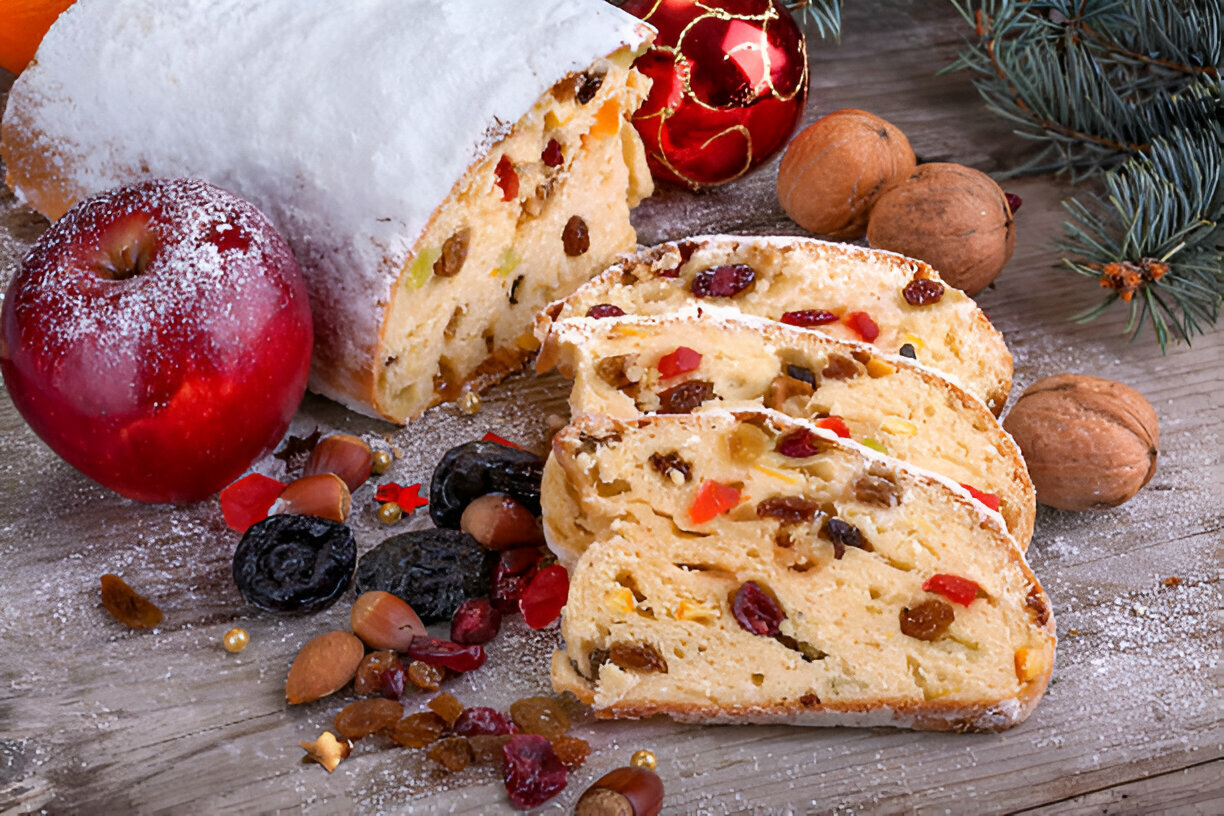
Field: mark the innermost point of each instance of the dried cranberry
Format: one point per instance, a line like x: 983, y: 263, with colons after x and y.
x: 723, y: 281
x: 756, y: 610
x: 481, y: 720
x: 507, y: 178
x: 800, y: 444
x: 808, y: 317
x: 475, y: 621
x: 447, y: 655
x: 604, y: 310
x: 922, y: 292
x: 392, y: 681
x: 1013, y: 202
x: 552, y: 155
x: 680, y: 361
x: 511, y: 576
x: 686, y: 396
x: 544, y: 597
x: 533, y: 773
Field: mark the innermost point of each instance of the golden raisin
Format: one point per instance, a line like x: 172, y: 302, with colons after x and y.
x: 452, y: 753
x: 126, y: 606
x: 418, y: 730
x: 424, y: 676
x: 572, y: 751
x: 576, y: 238
x: 540, y: 715
x: 928, y: 620
x: 446, y: 706
x: 454, y: 253
x: 361, y: 718
x: 368, y: 681
x: 637, y: 657
x: 487, y: 748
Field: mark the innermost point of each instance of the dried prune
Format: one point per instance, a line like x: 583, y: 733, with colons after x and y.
x: 433, y: 570
x: 473, y: 469
x: 723, y: 281
x: 533, y: 773
x: 756, y: 611
x: 291, y: 563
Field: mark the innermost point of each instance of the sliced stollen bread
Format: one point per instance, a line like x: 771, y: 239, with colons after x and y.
x: 441, y: 172
x: 623, y: 366
x: 844, y: 291
x: 751, y: 569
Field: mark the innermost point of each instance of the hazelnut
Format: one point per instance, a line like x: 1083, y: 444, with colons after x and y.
x: 1089, y: 443
x: 347, y: 456
x: 324, y: 665
x: 835, y: 170
x: 631, y: 791
x: 324, y: 495
x: 385, y: 621
x: 953, y: 217
x: 499, y: 522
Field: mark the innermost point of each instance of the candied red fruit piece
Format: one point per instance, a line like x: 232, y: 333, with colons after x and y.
x: 507, y: 178
x: 361, y: 718
x: 447, y: 655
x: 808, y: 317
x: 540, y: 715
x: 756, y: 610
x: 543, y: 599
x: 712, y: 500
x: 723, y: 281
x: 988, y: 499
x: 835, y: 424
x: 480, y: 720
x: 800, y: 444
x: 680, y: 361
x: 247, y: 500
x: 475, y: 621
x: 922, y: 292
x: 533, y: 774
x: 953, y: 587
x: 604, y: 310
x: 862, y: 323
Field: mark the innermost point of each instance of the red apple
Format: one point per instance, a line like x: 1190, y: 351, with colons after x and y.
x: 158, y: 337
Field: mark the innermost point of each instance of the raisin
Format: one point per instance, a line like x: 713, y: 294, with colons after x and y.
x: 671, y: 466
x: 800, y: 373
x: 424, y: 676
x: 126, y: 606
x: 843, y: 535
x: 839, y: 368
x: 783, y: 388
x: 540, y: 715
x: 790, y: 509
x: 723, y: 281
x: 756, y: 611
x: 575, y: 238
x: 806, y: 650
x: 809, y: 700
x: 907, y: 350
x: 572, y: 751
x: 481, y: 720
x: 476, y: 621
x: 446, y: 655
x: 612, y: 370
x: 1039, y: 609
x: 686, y: 396
x: 877, y: 488
x: 487, y: 749
x: 800, y: 444
x: 637, y: 657
x: 808, y: 317
x: 587, y: 86
x: 468, y: 471
x: 513, y: 294
x: 922, y: 292
x: 533, y: 773
x: 454, y: 253
x: 552, y: 155
x: 433, y: 570
x: 418, y: 730
x: 361, y: 718
x: 928, y: 620
x: 368, y: 681
x: 447, y: 707
x: 394, y: 680
x: 604, y: 310
x: 292, y: 563
x: 452, y: 753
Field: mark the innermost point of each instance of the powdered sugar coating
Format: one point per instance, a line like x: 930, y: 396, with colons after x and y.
x: 344, y: 123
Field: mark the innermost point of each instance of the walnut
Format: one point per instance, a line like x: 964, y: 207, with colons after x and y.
x: 953, y: 217
x: 835, y: 170
x: 1089, y: 443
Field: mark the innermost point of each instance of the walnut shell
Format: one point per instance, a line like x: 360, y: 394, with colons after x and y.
x: 835, y: 170
x: 1089, y: 443
x: 953, y: 217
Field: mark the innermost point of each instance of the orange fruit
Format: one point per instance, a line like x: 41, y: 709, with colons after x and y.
x: 22, y: 26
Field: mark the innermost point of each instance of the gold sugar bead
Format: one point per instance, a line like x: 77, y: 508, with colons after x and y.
x: 236, y: 640
x: 643, y: 759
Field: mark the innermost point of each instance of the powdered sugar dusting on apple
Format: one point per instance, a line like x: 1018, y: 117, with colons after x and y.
x: 337, y: 120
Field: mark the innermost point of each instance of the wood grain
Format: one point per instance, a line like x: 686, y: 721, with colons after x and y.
x: 97, y: 719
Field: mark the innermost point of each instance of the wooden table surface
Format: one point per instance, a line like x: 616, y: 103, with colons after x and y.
x: 95, y: 718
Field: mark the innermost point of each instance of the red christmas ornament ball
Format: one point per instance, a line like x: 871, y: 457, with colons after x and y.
x: 730, y: 81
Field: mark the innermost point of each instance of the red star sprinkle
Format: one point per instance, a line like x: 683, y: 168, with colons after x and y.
x: 407, y: 497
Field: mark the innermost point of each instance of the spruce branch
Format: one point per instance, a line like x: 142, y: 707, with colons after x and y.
x: 1155, y: 238
x: 823, y: 16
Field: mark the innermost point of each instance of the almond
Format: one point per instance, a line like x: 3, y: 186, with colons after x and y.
x: 324, y: 666
x: 347, y: 456
x: 324, y: 495
x: 385, y: 621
